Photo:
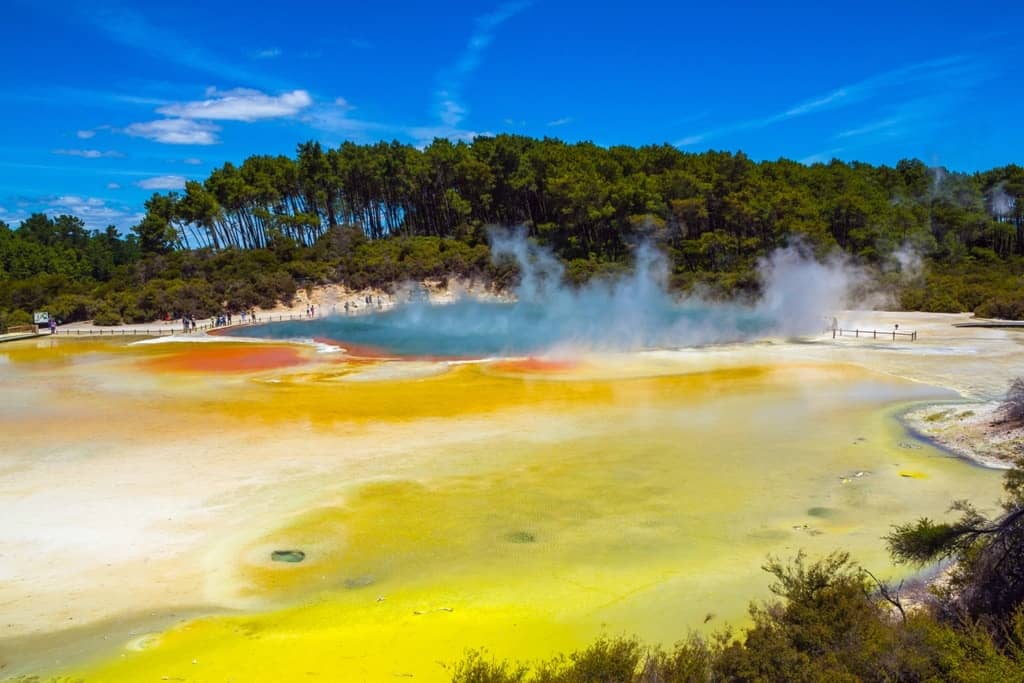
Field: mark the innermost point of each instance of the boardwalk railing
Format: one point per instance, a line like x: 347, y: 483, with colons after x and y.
x: 874, y: 334
x: 127, y: 331
x: 177, y: 328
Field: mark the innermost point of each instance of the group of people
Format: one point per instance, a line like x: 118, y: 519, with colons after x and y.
x: 368, y: 300
x: 188, y: 321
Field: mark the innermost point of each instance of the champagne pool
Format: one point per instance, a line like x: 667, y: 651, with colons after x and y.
x: 158, y: 497
x: 473, y: 328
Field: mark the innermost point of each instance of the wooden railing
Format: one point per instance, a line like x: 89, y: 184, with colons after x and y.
x: 176, y: 328
x: 127, y: 331
x: 874, y: 334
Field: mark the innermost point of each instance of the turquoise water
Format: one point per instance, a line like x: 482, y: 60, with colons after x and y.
x: 472, y: 328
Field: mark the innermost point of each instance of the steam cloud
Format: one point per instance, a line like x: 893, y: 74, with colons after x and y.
x: 1000, y: 202
x: 630, y: 312
x: 637, y: 310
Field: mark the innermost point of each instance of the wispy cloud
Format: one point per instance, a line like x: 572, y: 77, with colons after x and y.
x: 890, y: 125
x: 89, y: 153
x: 163, y: 182
x: 448, y: 96
x: 559, y: 122
x: 86, y: 134
x: 176, y: 131
x: 937, y: 75
x: 336, y: 118
x: 424, y: 135
x: 113, y: 186
x: 192, y: 161
x: 240, y: 104
x: 268, y: 53
x: 918, y: 119
x: 79, y: 169
x: 821, y: 157
x: 131, y: 28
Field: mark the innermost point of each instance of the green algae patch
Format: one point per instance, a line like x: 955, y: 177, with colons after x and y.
x: 290, y: 556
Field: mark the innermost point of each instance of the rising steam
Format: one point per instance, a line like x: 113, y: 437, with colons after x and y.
x: 636, y: 311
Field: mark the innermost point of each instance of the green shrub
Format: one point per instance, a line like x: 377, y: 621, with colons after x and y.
x: 106, y: 316
x: 1003, y: 308
x: 70, y: 307
x: 12, y: 318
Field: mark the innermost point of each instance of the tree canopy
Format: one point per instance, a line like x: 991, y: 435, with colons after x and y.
x: 336, y: 214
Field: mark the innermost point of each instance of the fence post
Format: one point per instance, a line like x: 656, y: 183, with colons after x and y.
x: 856, y: 333
x: 874, y: 334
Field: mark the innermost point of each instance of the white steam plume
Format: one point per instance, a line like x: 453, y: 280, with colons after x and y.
x: 799, y: 293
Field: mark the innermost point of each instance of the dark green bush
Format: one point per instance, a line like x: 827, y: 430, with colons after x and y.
x: 106, y: 316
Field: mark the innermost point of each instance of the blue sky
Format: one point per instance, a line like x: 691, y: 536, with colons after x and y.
x: 105, y: 102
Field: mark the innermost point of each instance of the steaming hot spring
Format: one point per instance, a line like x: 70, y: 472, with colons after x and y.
x: 615, y: 461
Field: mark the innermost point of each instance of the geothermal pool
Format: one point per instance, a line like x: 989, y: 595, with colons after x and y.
x: 470, y: 328
x: 526, y: 505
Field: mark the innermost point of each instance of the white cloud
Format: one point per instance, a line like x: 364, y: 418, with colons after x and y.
x: 85, y: 134
x: 192, y: 161
x: 268, y: 53
x: 176, y: 132
x: 95, y: 213
x: 240, y: 104
x: 88, y: 153
x: 113, y: 186
x: 560, y: 122
x: 163, y: 182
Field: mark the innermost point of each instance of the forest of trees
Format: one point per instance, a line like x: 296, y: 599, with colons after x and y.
x: 358, y: 213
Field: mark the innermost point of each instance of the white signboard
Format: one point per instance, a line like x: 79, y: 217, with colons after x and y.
x: 41, y: 318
